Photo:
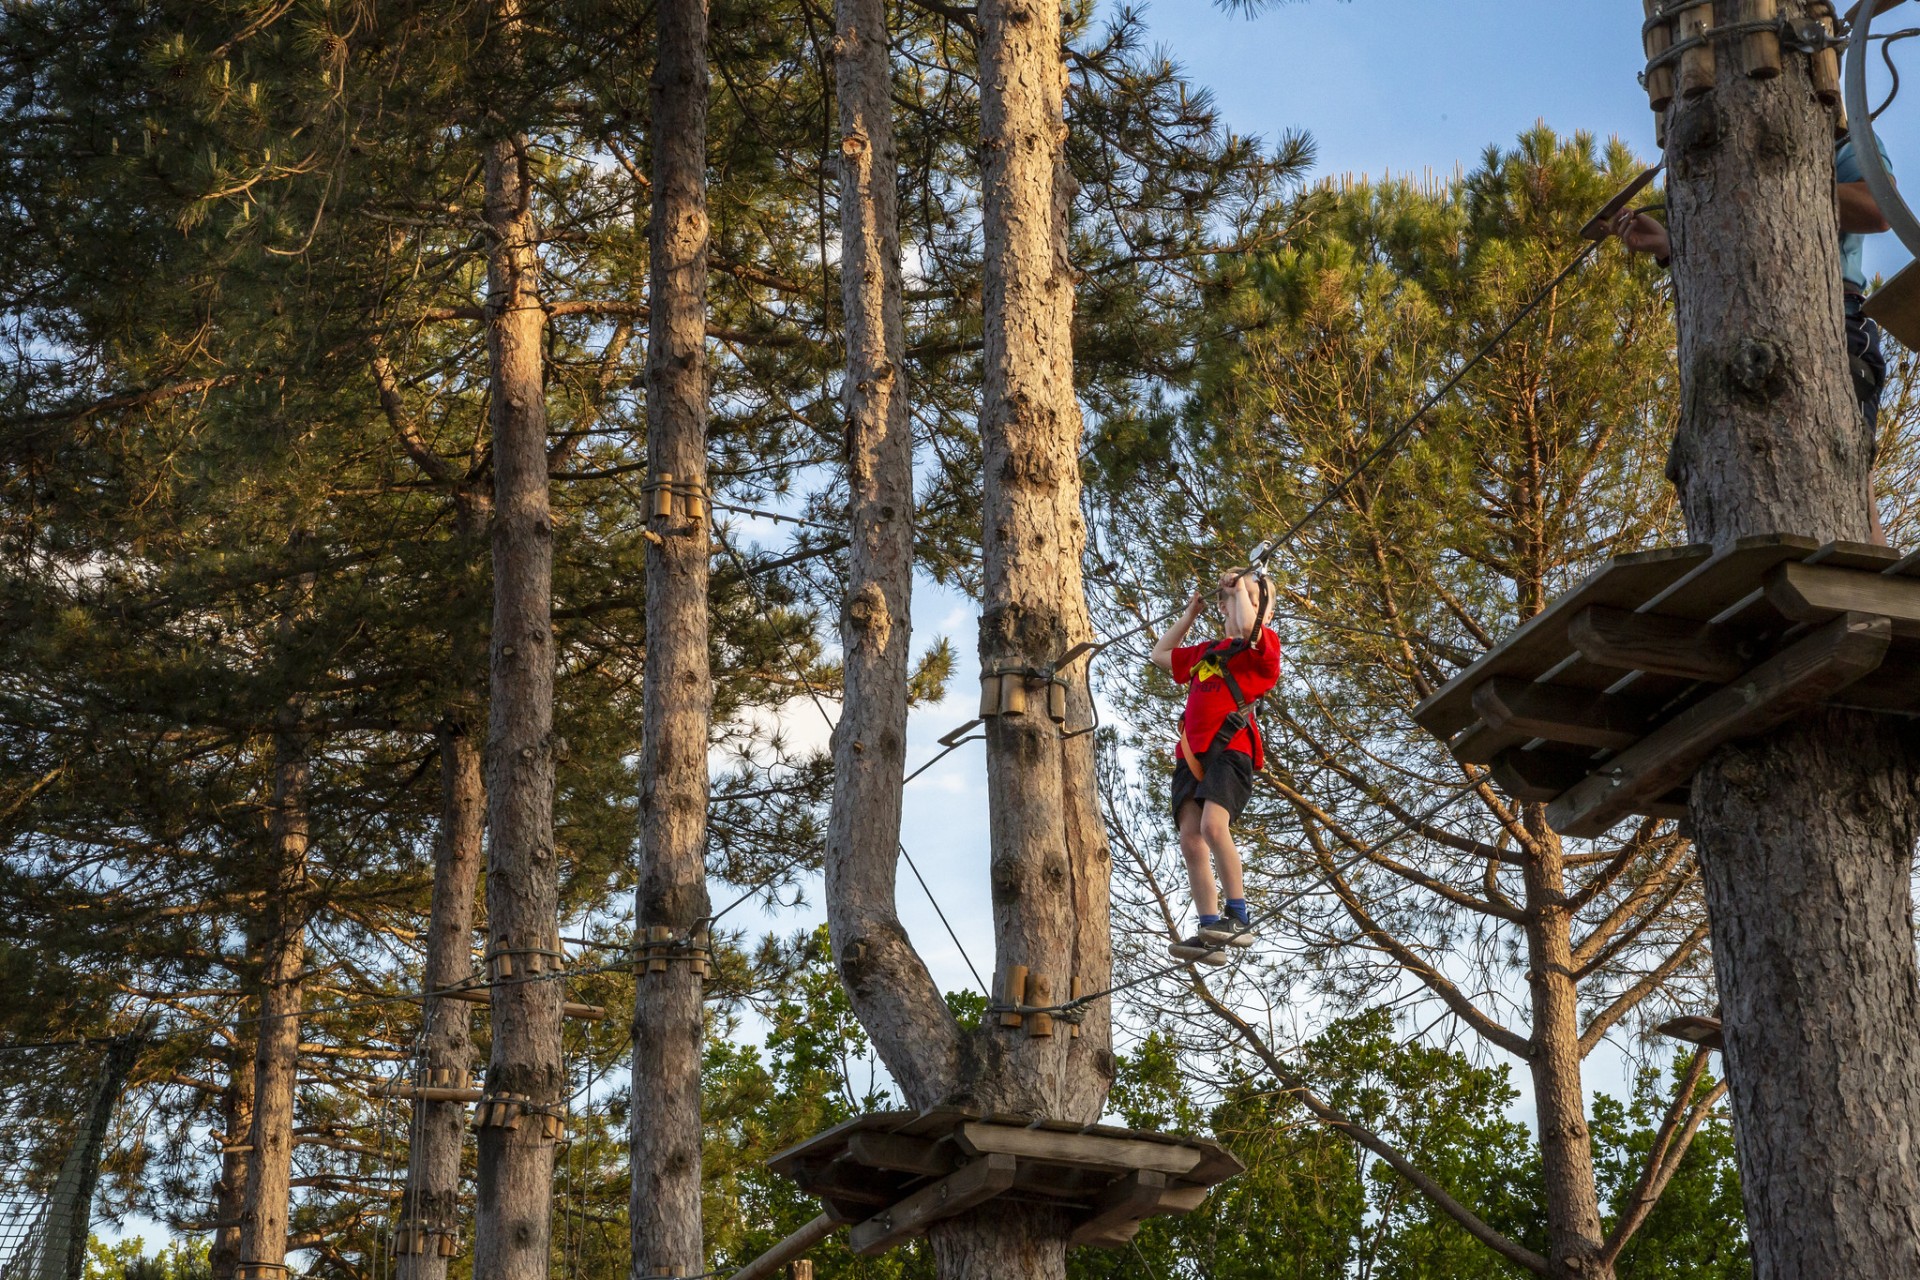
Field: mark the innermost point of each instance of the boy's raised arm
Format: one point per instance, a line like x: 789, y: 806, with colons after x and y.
x: 1170, y: 639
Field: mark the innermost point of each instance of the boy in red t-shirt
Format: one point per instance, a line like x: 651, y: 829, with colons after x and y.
x: 1212, y: 769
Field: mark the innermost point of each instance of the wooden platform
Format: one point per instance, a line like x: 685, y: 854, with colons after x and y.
x: 1695, y: 1029
x: 1605, y: 704
x: 893, y: 1173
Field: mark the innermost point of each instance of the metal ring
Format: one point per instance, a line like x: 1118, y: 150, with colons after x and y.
x: 1866, y: 149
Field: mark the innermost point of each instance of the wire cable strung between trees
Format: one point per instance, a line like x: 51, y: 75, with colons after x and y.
x: 1260, y: 556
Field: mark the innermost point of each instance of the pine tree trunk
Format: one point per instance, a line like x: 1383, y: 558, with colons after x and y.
x: 1805, y: 835
x: 513, y: 1222
x: 664, y: 1209
x: 439, y: 1128
x: 236, y: 1157
x: 897, y: 999
x: 1049, y: 861
x: 276, y: 1058
x: 1576, y: 1243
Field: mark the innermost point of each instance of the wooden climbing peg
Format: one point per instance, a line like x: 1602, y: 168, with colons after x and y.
x: 989, y: 696
x: 1013, y: 694
x: 662, y: 508
x: 1077, y: 988
x: 1057, y: 701
x: 1659, y: 38
x: 1760, y: 50
x: 1696, y: 64
x: 691, y: 500
x: 1039, y: 992
x: 801, y: 1269
x: 1013, y: 992
x: 659, y: 938
x: 1826, y: 61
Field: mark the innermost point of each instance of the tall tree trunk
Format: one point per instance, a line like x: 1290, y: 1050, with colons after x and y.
x: 1050, y: 863
x: 276, y: 1058
x: 677, y: 693
x: 236, y: 1155
x: 432, y: 1198
x: 513, y: 1222
x: 1576, y: 1243
x: 897, y: 999
x: 1806, y: 834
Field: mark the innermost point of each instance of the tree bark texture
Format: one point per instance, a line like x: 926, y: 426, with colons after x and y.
x: 677, y: 690
x: 236, y: 1157
x: 513, y: 1224
x: 1805, y: 834
x: 432, y: 1198
x: 1576, y: 1243
x: 1050, y: 862
x: 276, y: 1057
x: 898, y: 1002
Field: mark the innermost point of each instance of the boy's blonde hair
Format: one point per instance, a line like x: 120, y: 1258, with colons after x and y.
x: 1242, y: 582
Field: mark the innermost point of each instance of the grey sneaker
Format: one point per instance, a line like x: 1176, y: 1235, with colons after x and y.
x: 1230, y: 931
x: 1198, y: 948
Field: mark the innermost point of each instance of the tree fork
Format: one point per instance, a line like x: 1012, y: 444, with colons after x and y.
x: 513, y: 1223
x: 664, y: 1209
x: 1819, y: 1001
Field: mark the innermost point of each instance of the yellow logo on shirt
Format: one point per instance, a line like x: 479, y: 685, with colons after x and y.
x: 1209, y: 669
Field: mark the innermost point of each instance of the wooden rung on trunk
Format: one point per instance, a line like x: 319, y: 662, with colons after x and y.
x: 259, y: 1270
x: 506, y: 1110
x: 1013, y: 991
x: 422, y: 1235
x: 1760, y: 50
x: 510, y: 962
x: 1039, y: 993
x: 662, y: 948
x: 1658, y: 39
x: 1697, y: 65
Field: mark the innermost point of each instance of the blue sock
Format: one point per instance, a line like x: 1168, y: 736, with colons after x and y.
x: 1207, y: 922
x: 1237, y: 908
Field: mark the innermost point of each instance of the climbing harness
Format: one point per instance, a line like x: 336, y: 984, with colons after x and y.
x: 1224, y: 652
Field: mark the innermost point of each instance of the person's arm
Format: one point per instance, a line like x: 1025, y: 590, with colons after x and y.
x: 1859, y: 212
x: 1642, y: 234
x: 1170, y: 640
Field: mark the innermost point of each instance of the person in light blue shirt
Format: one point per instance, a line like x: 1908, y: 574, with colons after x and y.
x: 1860, y: 217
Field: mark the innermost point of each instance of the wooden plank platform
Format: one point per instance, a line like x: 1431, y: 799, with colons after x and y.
x: 893, y: 1173
x: 1604, y: 704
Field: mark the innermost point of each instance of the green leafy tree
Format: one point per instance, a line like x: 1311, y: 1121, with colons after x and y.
x: 1388, y: 870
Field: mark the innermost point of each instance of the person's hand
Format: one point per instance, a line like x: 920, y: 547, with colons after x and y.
x: 1640, y: 233
x: 1195, y: 605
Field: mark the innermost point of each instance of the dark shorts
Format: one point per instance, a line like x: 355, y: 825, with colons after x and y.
x: 1229, y: 783
x: 1868, y: 365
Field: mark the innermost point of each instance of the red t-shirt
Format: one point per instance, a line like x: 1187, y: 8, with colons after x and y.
x: 1209, y: 703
